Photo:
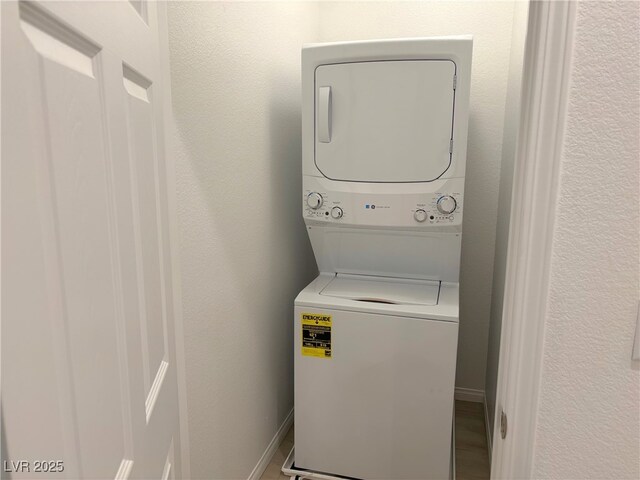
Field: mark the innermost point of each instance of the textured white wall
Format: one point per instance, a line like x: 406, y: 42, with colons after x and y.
x: 491, y: 25
x: 589, y: 410
x: 509, y: 138
x: 244, y: 251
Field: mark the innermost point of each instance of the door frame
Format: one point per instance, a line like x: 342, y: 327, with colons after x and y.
x: 545, y: 91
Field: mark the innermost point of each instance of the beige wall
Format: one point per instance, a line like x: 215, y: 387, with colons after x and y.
x: 244, y: 250
x: 588, y: 423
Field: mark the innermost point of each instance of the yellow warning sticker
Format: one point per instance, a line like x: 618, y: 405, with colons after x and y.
x: 316, y: 335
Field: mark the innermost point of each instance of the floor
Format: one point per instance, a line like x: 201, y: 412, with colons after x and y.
x: 472, y: 455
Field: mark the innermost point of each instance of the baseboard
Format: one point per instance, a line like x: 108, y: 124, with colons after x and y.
x: 487, y: 428
x: 469, y: 395
x: 277, y: 439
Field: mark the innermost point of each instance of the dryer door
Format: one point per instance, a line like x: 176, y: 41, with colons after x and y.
x: 389, y: 121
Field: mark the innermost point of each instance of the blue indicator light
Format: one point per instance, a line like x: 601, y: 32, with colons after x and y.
x: 366, y: 206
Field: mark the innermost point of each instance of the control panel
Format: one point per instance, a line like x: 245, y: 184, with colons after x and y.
x: 400, y: 205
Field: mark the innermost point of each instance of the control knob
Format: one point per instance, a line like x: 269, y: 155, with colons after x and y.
x: 420, y: 215
x: 336, y: 212
x: 446, y: 204
x: 314, y: 200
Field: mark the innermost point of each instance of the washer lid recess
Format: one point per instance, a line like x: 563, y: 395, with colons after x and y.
x: 387, y: 121
x: 383, y: 290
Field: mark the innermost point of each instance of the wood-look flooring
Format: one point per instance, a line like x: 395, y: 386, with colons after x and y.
x: 472, y: 454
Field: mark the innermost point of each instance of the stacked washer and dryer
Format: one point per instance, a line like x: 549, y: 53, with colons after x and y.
x: 384, y: 139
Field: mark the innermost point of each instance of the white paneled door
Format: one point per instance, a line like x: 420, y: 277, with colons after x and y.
x: 89, y: 384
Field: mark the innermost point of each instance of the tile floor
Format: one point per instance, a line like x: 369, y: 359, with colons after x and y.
x: 472, y: 457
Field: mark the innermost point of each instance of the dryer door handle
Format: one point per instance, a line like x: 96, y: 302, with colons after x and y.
x: 324, y: 114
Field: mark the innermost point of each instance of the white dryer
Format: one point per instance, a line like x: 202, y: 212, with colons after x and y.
x: 384, y: 127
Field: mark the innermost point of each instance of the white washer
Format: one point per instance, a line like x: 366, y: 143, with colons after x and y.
x: 381, y: 406
x: 384, y: 129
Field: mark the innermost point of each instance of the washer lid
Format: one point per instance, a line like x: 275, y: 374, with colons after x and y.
x: 388, y: 121
x: 383, y: 290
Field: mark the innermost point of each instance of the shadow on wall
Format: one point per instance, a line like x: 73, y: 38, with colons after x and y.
x: 285, y: 128
x: 241, y: 183
x: 285, y: 136
x: 476, y: 262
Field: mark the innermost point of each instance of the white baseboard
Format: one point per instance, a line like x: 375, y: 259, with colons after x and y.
x: 469, y: 395
x: 277, y: 439
x: 487, y: 428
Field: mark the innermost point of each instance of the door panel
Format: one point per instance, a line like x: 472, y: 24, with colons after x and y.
x: 75, y: 121
x: 384, y: 121
x: 85, y: 246
x: 144, y: 170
